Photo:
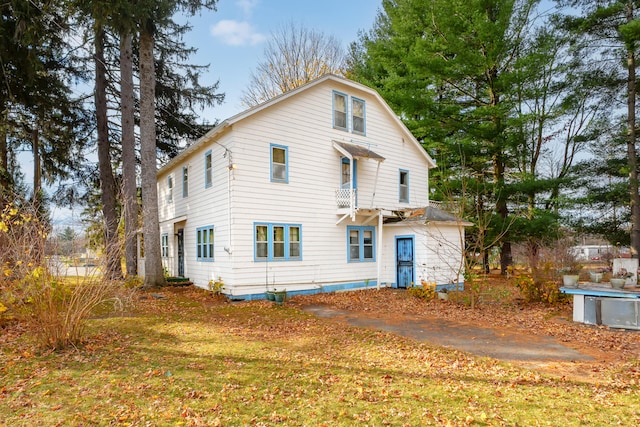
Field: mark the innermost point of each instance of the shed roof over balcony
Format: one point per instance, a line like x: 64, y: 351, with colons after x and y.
x: 355, y: 151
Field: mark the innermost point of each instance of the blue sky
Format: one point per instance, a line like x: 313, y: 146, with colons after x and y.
x: 232, y: 39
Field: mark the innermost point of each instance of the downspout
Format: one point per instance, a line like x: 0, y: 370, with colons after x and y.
x: 352, y: 201
x: 379, y: 254
x: 375, y: 185
x: 229, y: 207
x: 230, y: 167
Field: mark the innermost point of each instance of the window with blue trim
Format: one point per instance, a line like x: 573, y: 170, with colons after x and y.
x: 185, y: 181
x: 361, y: 243
x: 339, y: 110
x: 403, y: 186
x: 204, y: 243
x: 164, y: 245
x: 277, y: 242
x: 170, y: 189
x: 208, y: 169
x: 358, y: 116
x: 279, y: 163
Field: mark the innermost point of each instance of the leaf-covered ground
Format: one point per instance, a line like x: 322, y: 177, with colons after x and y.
x: 610, y: 347
x: 184, y: 357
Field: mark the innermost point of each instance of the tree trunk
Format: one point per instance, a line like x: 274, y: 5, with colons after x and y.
x: 486, y: 267
x: 37, y: 166
x: 5, y: 183
x: 503, y: 211
x: 631, y: 146
x: 129, y: 187
x: 113, y: 270
x: 153, y: 274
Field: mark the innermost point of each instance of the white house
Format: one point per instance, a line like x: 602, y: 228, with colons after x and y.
x: 319, y: 189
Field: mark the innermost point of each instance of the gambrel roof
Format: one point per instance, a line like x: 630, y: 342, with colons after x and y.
x: 247, y: 114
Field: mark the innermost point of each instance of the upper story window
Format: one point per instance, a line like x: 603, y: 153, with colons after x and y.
x: 170, y: 189
x: 357, y: 115
x: 164, y: 245
x: 208, y: 169
x: 339, y: 110
x: 185, y: 181
x: 279, y: 163
x: 361, y: 243
x: 277, y: 242
x: 204, y: 243
x: 403, y: 186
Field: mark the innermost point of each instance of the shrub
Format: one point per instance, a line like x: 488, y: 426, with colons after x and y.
x: 540, y: 290
x: 216, y: 286
x: 425, y: 291
x: 56, y: 309
x: 59, y: 310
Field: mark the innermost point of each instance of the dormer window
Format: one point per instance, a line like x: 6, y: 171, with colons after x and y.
x: 357, y: 115
x: 339, y: 111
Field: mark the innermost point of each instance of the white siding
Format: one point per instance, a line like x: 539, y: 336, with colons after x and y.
x: 437, y: 252
x: 244, y: 195
x: 204, y: 206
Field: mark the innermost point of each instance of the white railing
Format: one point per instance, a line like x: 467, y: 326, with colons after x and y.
x: 346, y: 198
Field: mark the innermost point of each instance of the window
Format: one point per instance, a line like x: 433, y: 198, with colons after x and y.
x: 277, y: 242
x: 404, y: 186
x: 185, y: 181
x: 357, y: 116
x: 345, y: 173
x: 279, y: 169
x: 361, y: 243
x: 339, y: 110
x: 204, y: 243
x: 164, y: 245
x: 170, y: 189
x: 208, y: 169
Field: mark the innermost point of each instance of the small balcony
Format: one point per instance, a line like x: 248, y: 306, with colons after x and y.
x: 346, y: 198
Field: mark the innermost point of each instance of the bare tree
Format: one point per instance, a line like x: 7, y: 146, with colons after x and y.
x: 293, y: 56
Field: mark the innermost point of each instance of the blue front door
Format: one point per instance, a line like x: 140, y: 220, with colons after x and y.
x: 404, y: 261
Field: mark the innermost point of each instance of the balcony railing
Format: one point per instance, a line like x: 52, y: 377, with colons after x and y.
x: 346, y: 198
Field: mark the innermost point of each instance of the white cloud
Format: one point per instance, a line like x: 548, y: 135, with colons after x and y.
x: 247, y: 5
x: 235, y: 33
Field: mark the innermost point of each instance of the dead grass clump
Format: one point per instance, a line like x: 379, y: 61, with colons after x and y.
x: 57, y: 309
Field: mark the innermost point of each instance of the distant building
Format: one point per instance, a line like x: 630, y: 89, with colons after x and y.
x: 593, y: 252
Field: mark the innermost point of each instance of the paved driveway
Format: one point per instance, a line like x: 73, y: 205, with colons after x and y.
x: 496, y: 343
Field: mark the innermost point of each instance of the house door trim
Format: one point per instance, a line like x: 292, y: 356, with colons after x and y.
x: 405, y: 261
x: 180, y: 236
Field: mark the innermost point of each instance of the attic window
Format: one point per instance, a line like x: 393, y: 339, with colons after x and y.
x: 357, y: 115
x: 339, y: 111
